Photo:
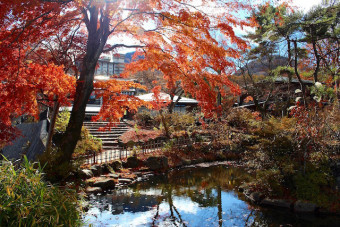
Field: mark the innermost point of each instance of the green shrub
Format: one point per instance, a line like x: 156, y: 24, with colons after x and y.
x: 309, y: 186
x: 87, y: 143
x: 26, y: 200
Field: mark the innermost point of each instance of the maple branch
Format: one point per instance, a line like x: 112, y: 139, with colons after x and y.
x: 122, y: 45
x: 120, y: 22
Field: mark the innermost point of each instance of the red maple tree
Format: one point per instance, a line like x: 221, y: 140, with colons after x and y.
x: 193, y: 44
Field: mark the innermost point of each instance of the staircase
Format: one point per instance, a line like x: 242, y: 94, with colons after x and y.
x: 109, y: 138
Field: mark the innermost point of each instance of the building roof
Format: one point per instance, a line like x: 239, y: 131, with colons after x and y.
x: 150, y: 97
x: 90, y: 108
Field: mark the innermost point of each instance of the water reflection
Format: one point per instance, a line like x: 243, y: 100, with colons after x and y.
x: 190, y: 197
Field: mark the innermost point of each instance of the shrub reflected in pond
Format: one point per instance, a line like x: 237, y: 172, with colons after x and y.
x: 190, y: 197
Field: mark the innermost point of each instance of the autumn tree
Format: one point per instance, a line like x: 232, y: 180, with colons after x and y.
x: 192, y: 44
x: 26, y: 83
x: 148, y: 79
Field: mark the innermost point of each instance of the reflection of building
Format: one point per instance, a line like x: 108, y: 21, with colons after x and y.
x: 110, y: 65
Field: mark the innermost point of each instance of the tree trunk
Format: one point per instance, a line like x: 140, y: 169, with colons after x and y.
x: 317, y: 56
x: 219, y: 206
x: 83, y: 92
x: 52, y: 125
x: 166, y: 128
x: 97, y: 38
x: 173, y: 104
x: 302, y: 86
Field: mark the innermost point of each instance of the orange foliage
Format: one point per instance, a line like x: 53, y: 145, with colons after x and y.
x: 248, y: 99
x: 190, y: 44
x: 114, y: 102
x: 158, y: 102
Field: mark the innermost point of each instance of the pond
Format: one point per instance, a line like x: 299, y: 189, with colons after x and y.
x: 191, y: 197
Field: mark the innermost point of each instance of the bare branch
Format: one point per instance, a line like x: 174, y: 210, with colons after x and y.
x: 122, y: 45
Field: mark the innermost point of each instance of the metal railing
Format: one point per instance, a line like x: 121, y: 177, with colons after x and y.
x: 122, y: 152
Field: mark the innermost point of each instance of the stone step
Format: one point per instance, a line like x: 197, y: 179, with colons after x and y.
x: 106, y: 134
x: 113, y: 144
x: 110, y: 144
x: 109, y: 137
x: 113, y: 147
x: 103, y: 124
x: 113, y: 130
x: 104, y: 139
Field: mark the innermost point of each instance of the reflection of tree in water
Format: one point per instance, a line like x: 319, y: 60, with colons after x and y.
x: 203, y: 186
x: 175, y: 217
x: 124, y: 200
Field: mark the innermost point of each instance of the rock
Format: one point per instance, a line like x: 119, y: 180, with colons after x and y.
x: 105, y: 184
x: 220, y: 157
x: 113, y: 175
x: 125, y: 181
x: 96, y: 170
x: 276, y: 203
x: 256, y: 197
x: 178, y: 164
x: 157, y: 163
x: 186, y: 162
x: 200, y: 160
x: 116, y: 165
x: 105, y: 168
x: 128, y: 176
x: 242, y: 187
x: 138, y: 174
x: 85, y: 173
x: 132, y: 162
x: 304, y: 207
x: 90, y: 181
x: 94, y: 190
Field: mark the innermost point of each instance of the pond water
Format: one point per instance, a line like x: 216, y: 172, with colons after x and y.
x: 191, y: 197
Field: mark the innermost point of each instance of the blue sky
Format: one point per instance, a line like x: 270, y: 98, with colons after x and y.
x: 303, y: 5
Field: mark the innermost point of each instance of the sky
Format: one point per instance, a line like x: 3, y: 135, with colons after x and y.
x: 303, y: 5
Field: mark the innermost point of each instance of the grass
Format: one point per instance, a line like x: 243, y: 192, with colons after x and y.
x: 27, y: 200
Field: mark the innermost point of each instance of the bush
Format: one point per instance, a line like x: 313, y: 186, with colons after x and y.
x: 140, y: 135
x: 240, y: 118
x: 26, y: 200
x: 87, y: 144
x: 144, y: 119
x: 181, y: 122
x: 294, y: 153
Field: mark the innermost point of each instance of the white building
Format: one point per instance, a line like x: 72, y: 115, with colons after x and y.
x: 112, y: 64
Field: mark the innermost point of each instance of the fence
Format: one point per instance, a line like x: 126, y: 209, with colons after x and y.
x: 122, y: 152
